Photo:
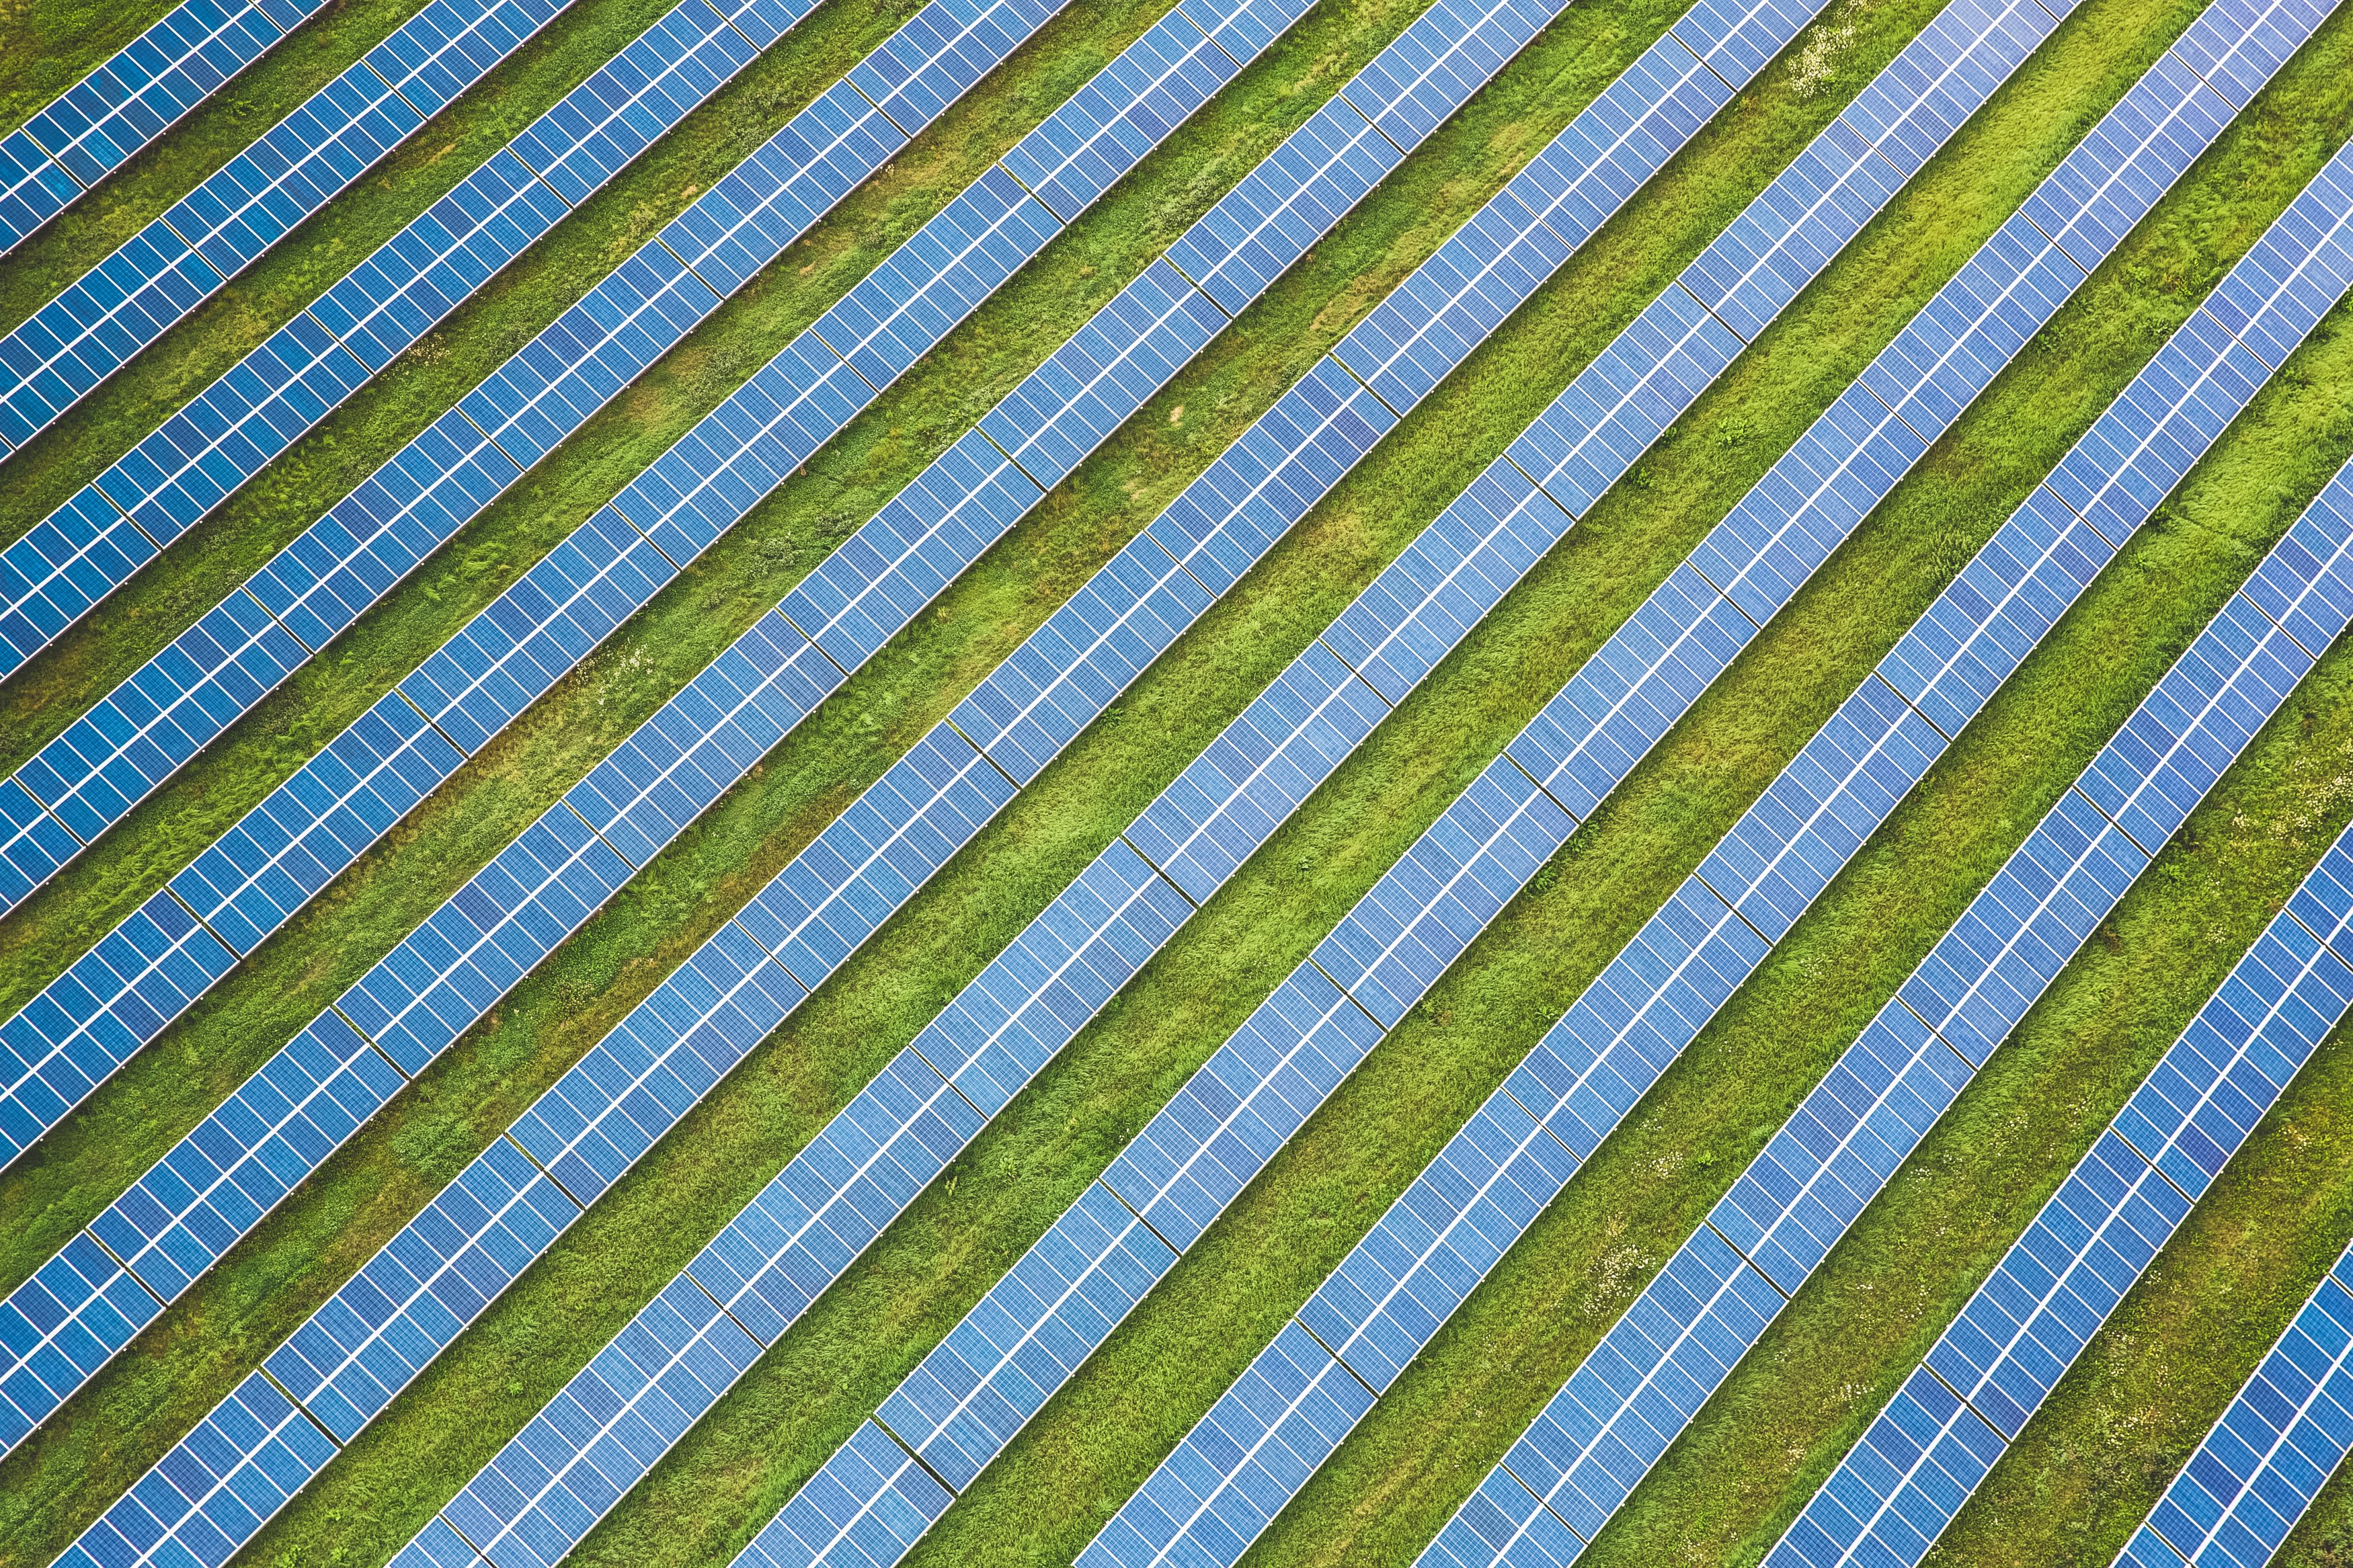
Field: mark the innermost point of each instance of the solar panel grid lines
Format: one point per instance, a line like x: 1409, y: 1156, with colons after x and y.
x: 95, y: 126
x: 1654, y: 1369
x: 1902, y: 1073
x: 740, y: 763
x: 936, y: 1047
x: 178, y: 474
x: 435, y: 1015
x: 158, y: 275
x: 1683, y: 934
x: 2266, y: 1458
x: 834, y: 932
x: 2021, y: 1329
x: 1170, y: 1225
x: 413, y: 1004
x: 342, y: 801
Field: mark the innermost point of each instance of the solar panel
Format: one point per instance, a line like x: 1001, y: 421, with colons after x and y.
x: 1846, y: 1140
x: 160, y: 273
x: 1187, y: 1173
x: 176, y: 476
x: 347, y: 797
x: 96, y: 126
x: 829, y: 955
x: 2264, y: 1462
x: 1923, y: 1456
x: 412, y: 1005
x: 1380, y: 1307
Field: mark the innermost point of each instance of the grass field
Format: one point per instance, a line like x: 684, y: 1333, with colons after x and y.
x: 2088, y: 1468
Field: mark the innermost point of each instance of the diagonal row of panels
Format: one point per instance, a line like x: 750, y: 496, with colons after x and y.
x: 1291, y: 1407
x: 216, y: 1185
x: 179, y: 474
x: 131, y: 99
x: 280, y: 854
x: 972, y: 1394
x: 1034, y: 724
x: 131, y: 296
x: 1473, y: 46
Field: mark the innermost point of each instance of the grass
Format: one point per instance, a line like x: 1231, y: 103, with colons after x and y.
x: 80, y: 1465
x: 800, y: 1401
x: 319, y: 251
x: 1431, y: 1440
x: 427, y: 1138
x: 90, y: 659
x: 1394, y: 1484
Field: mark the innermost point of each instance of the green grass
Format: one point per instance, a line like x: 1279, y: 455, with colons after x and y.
x: 801, y: 1401
x: 575, y: 1000
x: 1394, y: 1485
x: 1426, y: 1445
x: 170, y: 592
x: 58, y: 1479
x: 47, y: 45
x: 300, y: 266
x: 46, y: 49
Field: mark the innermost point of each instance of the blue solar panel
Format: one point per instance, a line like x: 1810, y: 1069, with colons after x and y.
x: 1849, y: 1136
x: 245, y: 1459
x: 319, y: 585
x: 129, y: 100
x: 869, y: 1503
x: 1396, y: 1288
x: 671, y: 1049
x: 1190, y: 1165
x: 2265, y: 1460
x: 155, y: 277
x: 1892, y: 1496
x: 803, y: 915
x: 346, y: 798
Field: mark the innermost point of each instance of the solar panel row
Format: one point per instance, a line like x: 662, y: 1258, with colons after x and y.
x: 2265, y: 1460
x: 175, y: 476
x: 657, y: 758
x: 998, y: 1367
x: 251, y: 880
x: 818, y: 942
x: 132, y: 98
x: 217, y: 1184
x: 102, y: 765
x: 1273, y: 1428
x: 1895, y: 1492
x: 1669, y: 1352
x: 218, y: 230
x: 1714, y: 1298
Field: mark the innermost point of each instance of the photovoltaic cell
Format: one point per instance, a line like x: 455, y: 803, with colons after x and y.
x: 1891, y: 1496
x: 99, y: 122
x: 2265, y: 1460
x: 1407, y: 1283
x: 1784, y: 1213
x: 344, y: 799
x: 1198, y: 1154
x: 356, y: 1352
x: 221, y: 228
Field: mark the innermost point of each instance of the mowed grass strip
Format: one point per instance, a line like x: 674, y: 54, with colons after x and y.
x: 2032, y: 1112
x: 315, y: 254
x: 1047, y: 1496
x: 47, y: 45
x: 1476, y: 155
x: 169, y: 593
x: 1043, y: 1500
x: 60, y: 1479
x: 46, y: 48
x: 1828, y: 1365
x: 591, y: 1286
